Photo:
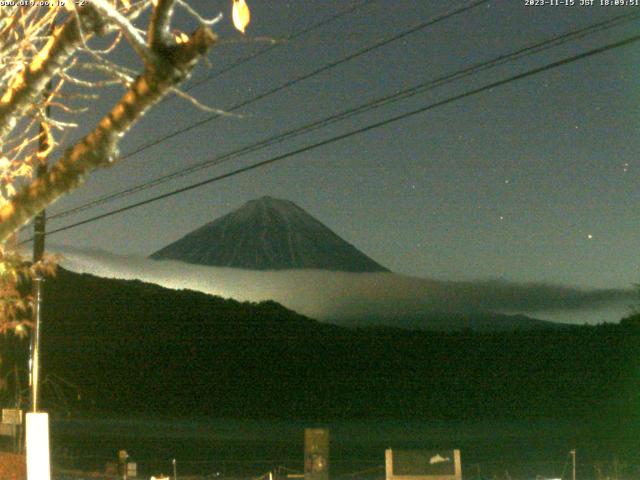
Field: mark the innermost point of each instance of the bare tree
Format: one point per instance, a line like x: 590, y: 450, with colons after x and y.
x: 44, y: 50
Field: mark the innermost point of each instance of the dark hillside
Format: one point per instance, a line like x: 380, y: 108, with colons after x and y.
x: 138, y: 348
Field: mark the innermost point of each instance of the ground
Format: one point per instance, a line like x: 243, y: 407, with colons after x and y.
x: 12, y: 467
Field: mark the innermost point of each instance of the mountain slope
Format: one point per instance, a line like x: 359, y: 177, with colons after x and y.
x: 268, y: 234
x: 132, y: 347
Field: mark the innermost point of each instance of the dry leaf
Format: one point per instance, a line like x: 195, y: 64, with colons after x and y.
x: 180, y: 37
x: 241, y: 15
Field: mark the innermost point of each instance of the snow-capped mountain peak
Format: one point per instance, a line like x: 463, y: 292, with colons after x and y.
x: 268, y: 234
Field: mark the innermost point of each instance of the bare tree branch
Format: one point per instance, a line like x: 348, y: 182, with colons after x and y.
x: 31, y: 81
x: 159, y: 34
x: 99, y: 148
x: 126, y: 27
x: 201, y: 106
x: 208, y: 22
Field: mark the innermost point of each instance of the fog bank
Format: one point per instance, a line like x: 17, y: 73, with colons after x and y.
x: 344, y: 297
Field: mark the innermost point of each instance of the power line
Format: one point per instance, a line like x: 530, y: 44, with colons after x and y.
x: 358, y: 131
x: 322, y: 23
x: 377, y: 103
x: 242, y: 61
x: 290, y: 83
x: 293, y: 36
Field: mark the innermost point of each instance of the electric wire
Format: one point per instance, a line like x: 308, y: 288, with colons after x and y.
x: 377, y: 103
x: 372, y: 126
x: 322, y: 23
x: 291, y: 83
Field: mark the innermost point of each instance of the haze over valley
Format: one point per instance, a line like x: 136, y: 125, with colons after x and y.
x: 271, y: 249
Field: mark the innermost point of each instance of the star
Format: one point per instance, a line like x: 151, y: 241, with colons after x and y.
x: 589, y: 236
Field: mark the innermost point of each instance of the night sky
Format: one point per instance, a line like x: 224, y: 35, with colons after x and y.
x: 536, y: 180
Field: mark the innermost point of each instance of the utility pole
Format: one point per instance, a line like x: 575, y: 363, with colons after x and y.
x: 37, y: 424
x: 38, y: 251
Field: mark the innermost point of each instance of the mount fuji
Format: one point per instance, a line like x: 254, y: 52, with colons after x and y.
x: 268, y: 234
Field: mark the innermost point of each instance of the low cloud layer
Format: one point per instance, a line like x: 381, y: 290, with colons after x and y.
x: 340, y: 296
